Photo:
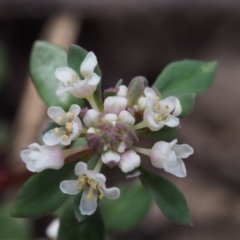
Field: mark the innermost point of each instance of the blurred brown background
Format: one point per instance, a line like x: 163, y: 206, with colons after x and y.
x: 133, y: 38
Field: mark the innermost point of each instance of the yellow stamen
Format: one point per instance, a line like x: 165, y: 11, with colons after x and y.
x: 59, y: 119
x: 93, y: 184
x: 80, y: 188
x: 169, y: 115
x: 101, y: 196
x: 159, y: 118
x: 157, y: 98
x: 157, y: 106
x: 65, y: 137
x: 69, y: 114
x: 56, y: 130
x: 82, y: 180
x: 167, y: 107
x: 89, y: 196
x: 69, y: 126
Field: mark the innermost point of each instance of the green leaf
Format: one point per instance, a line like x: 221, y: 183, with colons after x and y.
x: 167, y: 196
x: 76, y: 55
x: 45, y: 58
x: 90, y: 228
x: 187, y: 103
x: 164, y: 134
x: 13, y: 228
x: 41, y: 194
x: 128, y: 210
x: 186, y: 77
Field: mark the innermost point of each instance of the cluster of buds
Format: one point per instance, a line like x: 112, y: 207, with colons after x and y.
x: 111, y: 132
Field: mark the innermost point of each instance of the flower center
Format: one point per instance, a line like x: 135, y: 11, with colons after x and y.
x: 162, y: 112
x: 74, y: 80
x: 111, y: 136
x: 92, y: 184
x: 67, y: 122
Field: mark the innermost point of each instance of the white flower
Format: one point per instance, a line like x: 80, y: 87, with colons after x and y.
x: 72, y: 82
x: 122, y: 91
x: 93, y: 186
x: 169, y: 157
x: 91, y: 117
x: 71, y: 123
x: 39, y: 158
x: 115, y: 104
x: 129, y: 160
x: 52, y: 229
x: 111, y: 158
x: 159, y: 112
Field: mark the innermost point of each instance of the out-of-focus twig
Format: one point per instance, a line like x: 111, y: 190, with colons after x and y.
x: 62, y: 30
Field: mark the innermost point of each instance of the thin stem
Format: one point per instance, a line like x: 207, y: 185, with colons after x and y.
x: 144, y: 151
x: 140, y: 125
x: 92, y: 102
x: 84, y: 130
x: 69, y: 152
x: 98, y: 166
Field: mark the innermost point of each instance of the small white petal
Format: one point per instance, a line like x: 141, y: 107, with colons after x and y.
x: 95, y: 79
x: 122, y: 91
x: 88, y: 64
x: 77, y: 129
x: 178, y: 108
x: 110, y: 117
x: 149, y: 93
x: 61, y: 91
x: 69, y: 187
x: 91, y: 130
x: 65, y: 75
x: 30, y: 165
x: 171, y: 121
x: 91, y: 117
x: 80, y: 168
x: 34, y: 146
x: 110, y: 157
x: 50, y: 138
x: 121, y: 147
x: 56, y: 112
x: 178, y: 169
x: 126, y: 118
x: 115, y: 104
x: 171, y: 102
x: 111, y: 193
x: 183, y: 150
x: 87, y: 206
x: 142, y: 103
x: 100, y: 178
x: 129, y: 160
x: 52, y: 229
x: 75, y: 110
x: 159, y: 154
x: 83, y: 89
x: 149, y: 119
x: 25, y: 155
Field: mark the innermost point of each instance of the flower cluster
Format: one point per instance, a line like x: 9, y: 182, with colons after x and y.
x: 111, y: 131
